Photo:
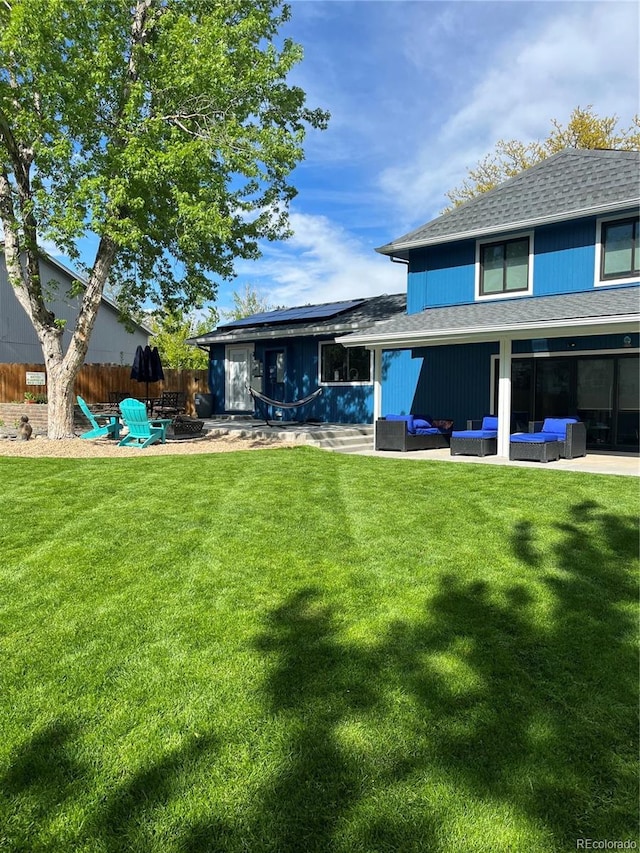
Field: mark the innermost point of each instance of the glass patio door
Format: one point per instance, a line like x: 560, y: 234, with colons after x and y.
x: 627, y: 415
x: 553, y: 387
x: 595, y: 399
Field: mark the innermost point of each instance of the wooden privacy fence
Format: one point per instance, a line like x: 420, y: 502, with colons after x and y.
x: 96, y: 382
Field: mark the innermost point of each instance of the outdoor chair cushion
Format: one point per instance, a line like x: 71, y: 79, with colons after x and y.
x: 557, y: 427
x: 488, y: 429
x: 408, y: 420
x: 553, y: 429
x: 474, y: 433
x: 534, y: 437
x: 423, y: 424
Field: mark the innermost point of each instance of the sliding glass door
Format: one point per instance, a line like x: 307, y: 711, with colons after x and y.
x: 628, y: 393
x: 603, y: 391
x: 554, y: 380
x: 594, y: 398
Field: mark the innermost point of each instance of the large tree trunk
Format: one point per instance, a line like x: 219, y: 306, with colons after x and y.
x: 63, y: 370
x: 61, y: 397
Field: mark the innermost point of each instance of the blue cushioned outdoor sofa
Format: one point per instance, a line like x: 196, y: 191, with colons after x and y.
x: 549, y: 440
x: 479, y: 439
x: 412, y: 432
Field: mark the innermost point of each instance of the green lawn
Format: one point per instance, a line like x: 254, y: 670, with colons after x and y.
x: 295, y: 651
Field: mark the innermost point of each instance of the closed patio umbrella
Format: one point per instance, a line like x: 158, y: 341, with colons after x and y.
x: 147, y: 366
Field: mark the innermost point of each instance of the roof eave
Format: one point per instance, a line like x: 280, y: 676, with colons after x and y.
x: 402, y: 249
x: 616, y: 324
x: 269, y: 334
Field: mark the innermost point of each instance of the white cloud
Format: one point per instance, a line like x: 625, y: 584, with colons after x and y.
x: 587, y: 54
x: 322, y: 262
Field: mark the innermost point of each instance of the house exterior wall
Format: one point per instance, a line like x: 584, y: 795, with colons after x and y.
x: 400, y: 376
x: 441, y: 275
x: 564, y: 260
x: 564, y: 257
x: 339, y: 403
x: 455, y: 382
x: 110, y: 342
x: 444, y: 382
x: 458, y: 381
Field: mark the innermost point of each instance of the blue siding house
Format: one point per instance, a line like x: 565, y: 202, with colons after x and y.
x: 523, y: 303
x: 288, y: 354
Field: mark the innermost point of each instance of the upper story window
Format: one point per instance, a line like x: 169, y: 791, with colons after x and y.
x: 344, y: 364
x: 619, y: 249
x: 504, y: 267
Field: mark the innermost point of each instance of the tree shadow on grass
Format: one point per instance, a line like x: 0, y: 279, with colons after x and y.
x: 316, y: 683
x: 522, y: 543
x: 44, y: 774
x: 44, y: 778
x: 546, y: 717
x: 535, y: 713
x: 127, y: 819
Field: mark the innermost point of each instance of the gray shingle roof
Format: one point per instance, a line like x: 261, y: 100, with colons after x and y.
x: 506, y: 316
x: 572, y: 183
x: 372, y: 310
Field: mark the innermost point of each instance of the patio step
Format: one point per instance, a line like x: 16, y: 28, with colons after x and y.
x: 346, y: 440
x: 336, y: 437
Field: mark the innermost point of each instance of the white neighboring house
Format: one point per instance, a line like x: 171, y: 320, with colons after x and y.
x: 110, y: 341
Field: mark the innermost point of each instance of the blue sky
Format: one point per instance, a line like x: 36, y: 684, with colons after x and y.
x: 418, y: 92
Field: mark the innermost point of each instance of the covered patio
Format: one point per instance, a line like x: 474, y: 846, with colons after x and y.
x: 598, y: 317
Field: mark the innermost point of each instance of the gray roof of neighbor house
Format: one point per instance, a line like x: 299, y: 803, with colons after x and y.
x: 343, y: 317
x: 613, y: 310
x: 74, y: 276
x: 570, y: 184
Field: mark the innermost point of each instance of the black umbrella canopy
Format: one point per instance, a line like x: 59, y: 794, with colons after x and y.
x: 147, y: 366
x: 155, y: 365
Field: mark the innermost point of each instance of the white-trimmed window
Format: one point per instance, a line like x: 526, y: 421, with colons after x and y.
x: 617, y: 250
x: 504, y: 267
x: 344, y: 364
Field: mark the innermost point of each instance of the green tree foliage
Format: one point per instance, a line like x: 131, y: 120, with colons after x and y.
x: 583, y: 130
x: 171, y: 332
x: 247, y: 303
x: 165, y: 128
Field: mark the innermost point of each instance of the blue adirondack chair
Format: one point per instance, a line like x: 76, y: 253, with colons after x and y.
x: 142, y: 431
x: 110, y: 428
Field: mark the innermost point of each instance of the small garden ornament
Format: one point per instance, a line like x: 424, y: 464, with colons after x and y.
x: 25, y: 429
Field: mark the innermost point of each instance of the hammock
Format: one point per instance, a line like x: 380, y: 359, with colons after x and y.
x: 257, y: 396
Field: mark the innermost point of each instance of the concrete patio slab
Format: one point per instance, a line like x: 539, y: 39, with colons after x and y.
x: 328, y: 436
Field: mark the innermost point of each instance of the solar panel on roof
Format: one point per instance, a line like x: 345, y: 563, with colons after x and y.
x: 289, y: 315
x: 254, y: 320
